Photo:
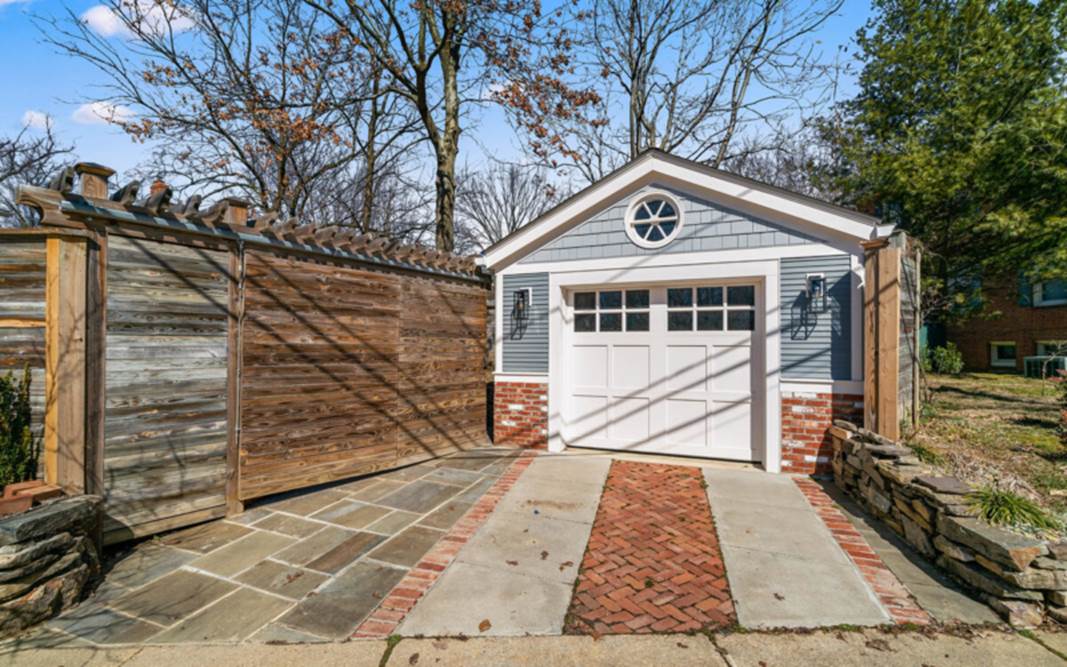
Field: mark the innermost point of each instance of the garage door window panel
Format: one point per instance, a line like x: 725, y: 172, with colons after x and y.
x: 611, y: 310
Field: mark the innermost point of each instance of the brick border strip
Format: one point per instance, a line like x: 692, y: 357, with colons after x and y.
x: 893, y: 595
x: 396, y: 604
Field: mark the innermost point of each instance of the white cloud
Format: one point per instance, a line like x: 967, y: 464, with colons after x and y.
x: 102, y: 113
x: 154, y: 16
x: 37, y: 120
x: 11, y: 2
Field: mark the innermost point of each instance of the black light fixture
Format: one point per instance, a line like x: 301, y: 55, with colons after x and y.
x: 817, y: 292
x: 520, y: 311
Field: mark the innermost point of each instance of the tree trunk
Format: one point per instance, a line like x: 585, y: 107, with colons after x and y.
x: 445, y: 183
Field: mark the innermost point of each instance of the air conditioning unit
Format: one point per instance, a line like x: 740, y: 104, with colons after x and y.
x: 1042, y: 367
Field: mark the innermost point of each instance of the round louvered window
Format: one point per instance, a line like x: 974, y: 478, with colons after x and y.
x: 653, y: 220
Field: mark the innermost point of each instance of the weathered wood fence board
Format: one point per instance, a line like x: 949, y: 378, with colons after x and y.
x: 215, y: 363
x: 22, y: 316
x: 165, y: 430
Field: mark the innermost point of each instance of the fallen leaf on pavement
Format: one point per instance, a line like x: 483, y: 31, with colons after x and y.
x: 512, y: 563
x: 414, y: 659
x: 484, y: 626
x: 544, y: 555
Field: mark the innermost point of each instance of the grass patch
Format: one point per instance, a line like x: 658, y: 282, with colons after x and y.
x: 1004, y: 508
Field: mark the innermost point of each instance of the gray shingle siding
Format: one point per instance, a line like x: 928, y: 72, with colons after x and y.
x: 707, y: 226
x: 816, y: 345
x: 526, y: 348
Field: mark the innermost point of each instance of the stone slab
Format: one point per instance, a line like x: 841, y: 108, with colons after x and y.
x: 233, y: 618
x: 379, y: 489
x: 248, y: 517
x: 337, y: 608
x: 336, y: 559
x: 104, y: 626
x: 205, y: 537
x: 313, y: 547
x: 948, y: 485
x: 394, y: 522
x: 307, y: 503
x: 1007, y: 548
x: 466, y: 595
x: 147, y: 563
x: 242, y: 554
x: 351, y: 514
x: 276, y: 633
x: 407, y: 547
x: 173, y: 597
x: 445, y: 516
x: 453, y: 476
x: 537, y: 546
x: 288, y: 525
x: 48, y: 519
x: 420, y: 496
x: 292, y: 582
x: 475, y: 491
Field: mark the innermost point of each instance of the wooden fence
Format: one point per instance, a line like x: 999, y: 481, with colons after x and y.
x: 186, y: 363
x: 892, y: 321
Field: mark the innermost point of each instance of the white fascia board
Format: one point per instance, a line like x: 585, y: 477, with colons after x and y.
x: 794, y: 211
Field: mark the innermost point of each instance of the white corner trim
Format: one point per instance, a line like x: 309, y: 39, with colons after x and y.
x: 528, y: 378
x: 790, y: 209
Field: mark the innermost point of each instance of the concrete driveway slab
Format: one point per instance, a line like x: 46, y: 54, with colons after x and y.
x: 774, y: 590
x: 543, y: 547
x: 576, y: 468
x: 784, y: 567
x: 558, y: 500
x: 468, y: 595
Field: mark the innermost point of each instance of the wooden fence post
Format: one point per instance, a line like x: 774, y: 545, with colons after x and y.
x: 65, y: 326
x: 881, y: 316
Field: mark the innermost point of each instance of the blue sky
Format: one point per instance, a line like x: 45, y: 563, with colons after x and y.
x: 38, y: 80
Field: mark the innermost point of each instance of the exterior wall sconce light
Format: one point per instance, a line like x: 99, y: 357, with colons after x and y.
x: 520, y: 311
x: 817, y: 291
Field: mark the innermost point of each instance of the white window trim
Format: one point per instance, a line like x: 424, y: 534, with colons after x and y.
x: 630, y: 222
x: 996, y: 361
x: 1039, y: 299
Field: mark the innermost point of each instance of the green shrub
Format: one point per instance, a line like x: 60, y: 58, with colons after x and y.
x: 1004, y: 508
x: 947, y: 360
x: 1061, y: 384
x: 18, y: 449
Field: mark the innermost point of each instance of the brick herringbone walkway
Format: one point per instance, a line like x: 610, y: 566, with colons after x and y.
x: 653, y: 562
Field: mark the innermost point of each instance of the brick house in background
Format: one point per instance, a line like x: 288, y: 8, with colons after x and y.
x: 1032, y: 320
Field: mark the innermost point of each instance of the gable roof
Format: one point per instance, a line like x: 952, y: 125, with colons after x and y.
x: 792, y: 209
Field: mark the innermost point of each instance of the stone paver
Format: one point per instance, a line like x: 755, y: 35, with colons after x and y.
x: 337, y: 608
x: 173, y: 597
x: 233, y: 618
x: 784, y: 567
x: 896, y: 599
x: 296, y: 568
x: 653, y: 562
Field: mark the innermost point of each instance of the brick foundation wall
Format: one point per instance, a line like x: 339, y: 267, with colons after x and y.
x: 807, y: 446
x: 520, y: 414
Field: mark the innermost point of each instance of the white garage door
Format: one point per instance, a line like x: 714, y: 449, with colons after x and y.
x: 663, y: 369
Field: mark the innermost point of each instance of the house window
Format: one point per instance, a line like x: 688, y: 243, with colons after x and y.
x: 611, y: 310
x: 1002, y: 354
x: 1050, y: 293
x: 653, y: 220
x: 1051, y: 348
x: 711, y: 308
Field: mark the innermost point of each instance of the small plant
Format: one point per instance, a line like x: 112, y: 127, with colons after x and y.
x: 926, y: 455
x: 1004, y: 508
x: 18, y: 449
x: 946, y: 360
x: 1061, y: 383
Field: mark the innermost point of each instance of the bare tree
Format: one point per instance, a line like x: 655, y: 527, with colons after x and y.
x: 441, y: 53
x: 255, y: 98
x: 494, y: 203
x: 26, y: 159
x: 691, y: 78
x: 803, y: 160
